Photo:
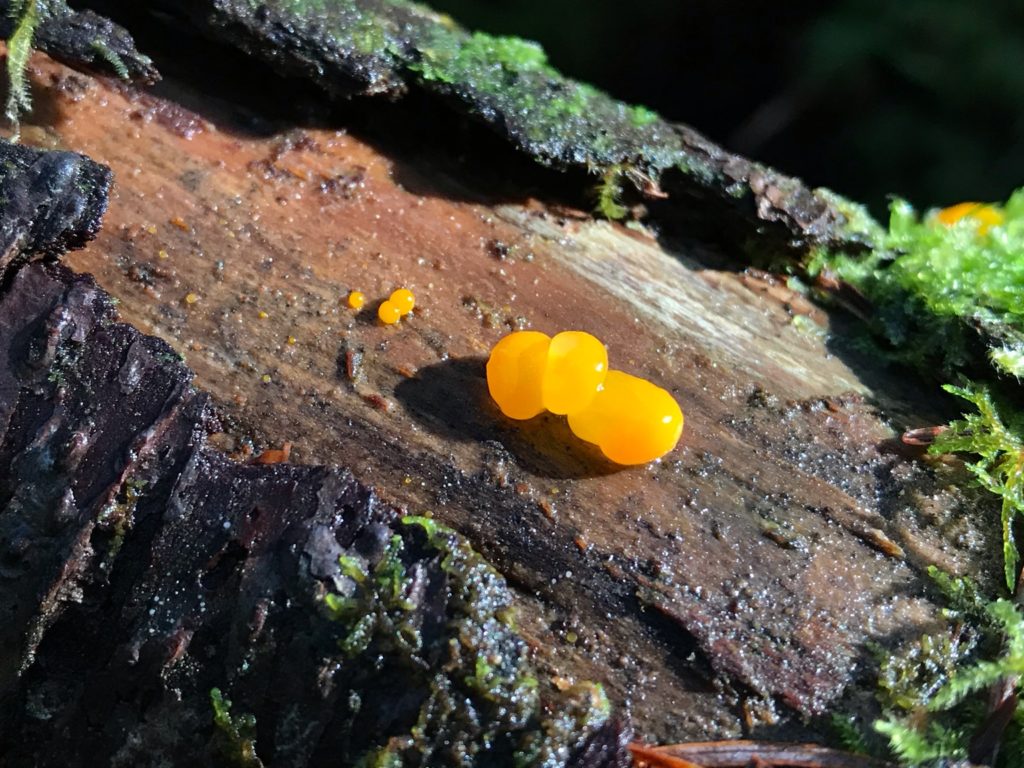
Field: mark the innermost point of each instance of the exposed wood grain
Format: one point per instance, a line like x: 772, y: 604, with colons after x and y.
x: 771, y: 543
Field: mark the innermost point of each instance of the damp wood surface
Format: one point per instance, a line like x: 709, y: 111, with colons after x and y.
x: 713, y: 593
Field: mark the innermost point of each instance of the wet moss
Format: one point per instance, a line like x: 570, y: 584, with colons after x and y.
x: 935, y: 288
x: 236, y: 734
x: 480, y: 703
x: 943, y: 290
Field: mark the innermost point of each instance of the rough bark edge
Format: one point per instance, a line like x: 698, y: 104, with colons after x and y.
x: 50, y: 202
x: 386, y: 47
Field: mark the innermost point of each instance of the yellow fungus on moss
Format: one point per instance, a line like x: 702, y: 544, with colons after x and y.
x: 191, y: 298
x: 404, y: 299
x: 985, y: 216
x: 356, y: 299
x: 389, y: 313
x: 515, y: 371
x: 631, y: 420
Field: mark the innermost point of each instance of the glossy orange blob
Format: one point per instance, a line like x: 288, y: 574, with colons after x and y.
x: 632, y: 420
x: 515, y: 371
x: 389, y: 313
x: 356, y: 299
x: 577, y: 364
x: 404, y: 300
x: 986, y: 216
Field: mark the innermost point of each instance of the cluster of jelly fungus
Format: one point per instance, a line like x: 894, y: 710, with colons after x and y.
x: 401, y: 302
x: 631, y: 420
x: 984, y: 216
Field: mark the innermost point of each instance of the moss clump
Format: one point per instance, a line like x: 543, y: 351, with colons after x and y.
x: 424, y: 615
x: 935, y: 287
x: 999, y: 463
x: 942, y: 684
x: 608, y: 193
x: 237, y: 733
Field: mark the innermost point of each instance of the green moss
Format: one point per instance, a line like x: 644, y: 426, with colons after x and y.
x: 118, y: 518
x: 19, y: 47
x: 641, y: 116
x: 860, y: 226
x: 481, y: 703
x: 945, y: 293
x: 934, y: 287
x: 386, y: 45
x: 115, y: 62
x: 608, y: 193
x: 933, y: 690
x: 914, y: 746
x: 237, y: 732
x: 999, y: 464
x: 909, y: 678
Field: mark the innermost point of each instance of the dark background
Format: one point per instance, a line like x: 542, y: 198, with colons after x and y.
x: 919, y: 98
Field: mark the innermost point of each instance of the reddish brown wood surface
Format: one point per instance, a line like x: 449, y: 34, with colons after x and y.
x: 771, y: 545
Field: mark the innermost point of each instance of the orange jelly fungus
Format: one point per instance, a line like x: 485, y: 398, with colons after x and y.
x: 576, y: 365
x: 631, y: 420
x: 404, y: 300
x: 515, y: 371
x: 356, y: 299
x: 389, y: 313
x: 985, y: 216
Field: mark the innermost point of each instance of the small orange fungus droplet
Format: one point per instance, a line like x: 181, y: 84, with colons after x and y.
x: 191, y: 298
x: 292, y: 340
x: 515, y: 371
x: 577, y: 364
x: 984, y: 216
x: 389, y: 313
x: 403, y: 299
x: 262, y: 315
x: 632, y: 420
x: 356, y: 299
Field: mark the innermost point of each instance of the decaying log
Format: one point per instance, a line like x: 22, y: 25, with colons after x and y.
x: 145, y: 576
x: 732, y: 586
